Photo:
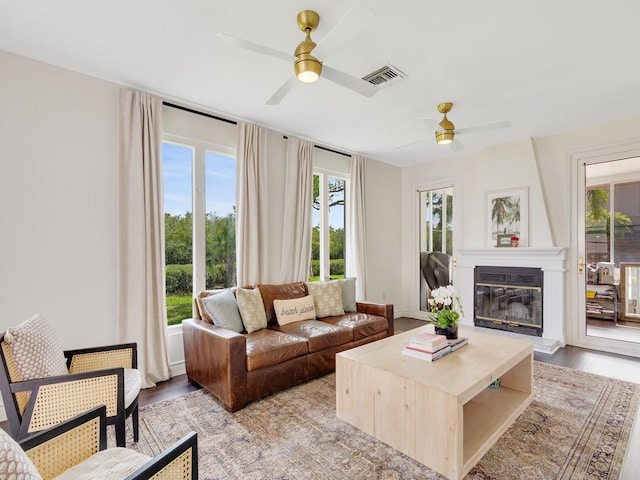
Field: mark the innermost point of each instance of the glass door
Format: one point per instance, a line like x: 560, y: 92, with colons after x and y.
x: 436, y: 235
x: 609, y: 239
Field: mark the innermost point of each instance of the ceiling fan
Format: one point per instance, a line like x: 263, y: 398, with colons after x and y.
x: 446, y: 131
x: 307, y: 67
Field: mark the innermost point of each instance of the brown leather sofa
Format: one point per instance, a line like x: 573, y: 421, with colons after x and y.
x: 237, y: 368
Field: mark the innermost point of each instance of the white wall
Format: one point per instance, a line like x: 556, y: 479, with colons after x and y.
x: 58, y: 200
x: 384, y: 234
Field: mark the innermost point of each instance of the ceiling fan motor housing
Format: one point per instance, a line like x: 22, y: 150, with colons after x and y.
x: 307, y: 68
x: 445, y: 137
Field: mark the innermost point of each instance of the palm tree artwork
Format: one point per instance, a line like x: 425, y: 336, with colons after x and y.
x: 505, y: 215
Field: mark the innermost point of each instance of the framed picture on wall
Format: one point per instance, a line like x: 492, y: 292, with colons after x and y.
x: 507, y: 217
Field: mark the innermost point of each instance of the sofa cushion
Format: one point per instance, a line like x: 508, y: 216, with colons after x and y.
x: 348, y: 286
x: 222, y: 309
x: 361, y: 324
x: 294, y: 310
x: 320, y: 335
x: 280, y: 292
x: 327, y: 297
x: 36, y: 349
x: 269, y: 347
x: 251, y: 309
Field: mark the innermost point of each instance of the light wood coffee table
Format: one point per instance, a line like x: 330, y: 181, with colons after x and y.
x: 442, y: 414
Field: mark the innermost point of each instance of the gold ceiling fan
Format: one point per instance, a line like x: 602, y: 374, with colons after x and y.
x: 307, y: 67
x: 446, y: 131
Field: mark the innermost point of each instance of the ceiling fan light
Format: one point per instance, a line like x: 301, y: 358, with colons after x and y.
x: 444, y: 138
x: 307, y: 68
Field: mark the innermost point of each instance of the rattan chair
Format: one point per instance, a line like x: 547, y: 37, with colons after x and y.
x: 97, y: 376
x: 70, y: 450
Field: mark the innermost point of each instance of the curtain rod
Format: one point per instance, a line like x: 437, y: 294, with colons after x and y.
x: 190, y: 110
x: 326, y: 149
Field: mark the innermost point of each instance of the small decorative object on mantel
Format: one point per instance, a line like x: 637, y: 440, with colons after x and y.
x: 445, y: 307
x: 514, y: 241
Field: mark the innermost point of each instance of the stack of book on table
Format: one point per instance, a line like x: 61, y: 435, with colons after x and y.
x: 431, y: 346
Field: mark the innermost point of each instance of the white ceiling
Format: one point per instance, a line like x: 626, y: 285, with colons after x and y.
x: 547, y: 66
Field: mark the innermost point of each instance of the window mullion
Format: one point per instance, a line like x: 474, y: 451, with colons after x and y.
x: 199, y: 212
x: 324, y: 227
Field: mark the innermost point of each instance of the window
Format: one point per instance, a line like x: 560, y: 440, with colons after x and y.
x: 328, y: 236
x: 613, y: 207
x: 199, y: 247
x: 436, y: 212
x: 220, y: 219
x: 177, y: 162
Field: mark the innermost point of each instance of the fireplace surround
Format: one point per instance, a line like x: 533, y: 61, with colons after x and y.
x: 551, y: 260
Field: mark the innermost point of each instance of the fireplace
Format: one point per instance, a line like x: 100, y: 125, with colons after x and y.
x: 509, y: 298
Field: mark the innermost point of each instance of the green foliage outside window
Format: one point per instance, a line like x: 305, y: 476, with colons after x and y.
x: 220, y: 260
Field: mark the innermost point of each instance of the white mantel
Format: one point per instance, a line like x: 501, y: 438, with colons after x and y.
x: 552, y: 262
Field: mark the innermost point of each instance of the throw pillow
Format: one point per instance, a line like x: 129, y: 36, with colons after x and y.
x: 348, y: 286
x: 327, y: 298
x: 251, y: 309
x: 36, y: 349
x: 222, y: 308
x: 14, y: 463
x: 294, y: 310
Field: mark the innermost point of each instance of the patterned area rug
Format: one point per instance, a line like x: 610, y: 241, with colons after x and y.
x: 577, y: 427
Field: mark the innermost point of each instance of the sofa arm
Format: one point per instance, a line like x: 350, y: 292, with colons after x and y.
x: 380, y: 309
x: 216, y: 359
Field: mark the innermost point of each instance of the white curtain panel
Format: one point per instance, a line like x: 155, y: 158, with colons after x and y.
x: 141, y: 310
x: 356, y: 227
x: 298, y: 197
x: 251, y: 228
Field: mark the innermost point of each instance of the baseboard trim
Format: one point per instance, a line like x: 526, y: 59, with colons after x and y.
x: 177, y: 368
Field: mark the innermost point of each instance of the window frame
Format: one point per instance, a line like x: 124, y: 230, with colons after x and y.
x: 325, y: 241
x: 198, y: 201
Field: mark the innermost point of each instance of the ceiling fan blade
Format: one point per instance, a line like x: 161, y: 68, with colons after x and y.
x: 456, y: 145
x: 254, y: 47
x: 347, y: 28
x: 282, y: 92
x: 431, y: 122
x: 482, y: 128
x: 348, y: 81
x: 411, y: 143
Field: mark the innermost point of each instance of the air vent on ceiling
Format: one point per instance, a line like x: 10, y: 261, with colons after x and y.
x: 384, y: 76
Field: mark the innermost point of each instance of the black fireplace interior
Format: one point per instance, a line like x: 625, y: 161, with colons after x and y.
x: 509, y: 298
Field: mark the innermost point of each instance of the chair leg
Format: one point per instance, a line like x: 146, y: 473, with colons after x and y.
x: 134, y: 420
x: 121, y: 439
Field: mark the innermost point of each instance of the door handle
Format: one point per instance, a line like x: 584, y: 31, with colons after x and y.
x: 580, y: 265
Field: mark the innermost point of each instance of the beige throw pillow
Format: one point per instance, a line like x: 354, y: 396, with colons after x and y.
x: 14, y: 463
x: 36, y: 349
x: 294, y: 310
x: 348, y: 294
x: 251, y: 309
x: 327, y: 298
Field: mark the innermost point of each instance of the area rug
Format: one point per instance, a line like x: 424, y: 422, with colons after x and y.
x: 577, y: 427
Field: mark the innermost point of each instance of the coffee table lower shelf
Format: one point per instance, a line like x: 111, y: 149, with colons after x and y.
x: 486, y: 417
x: 408, y: 403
